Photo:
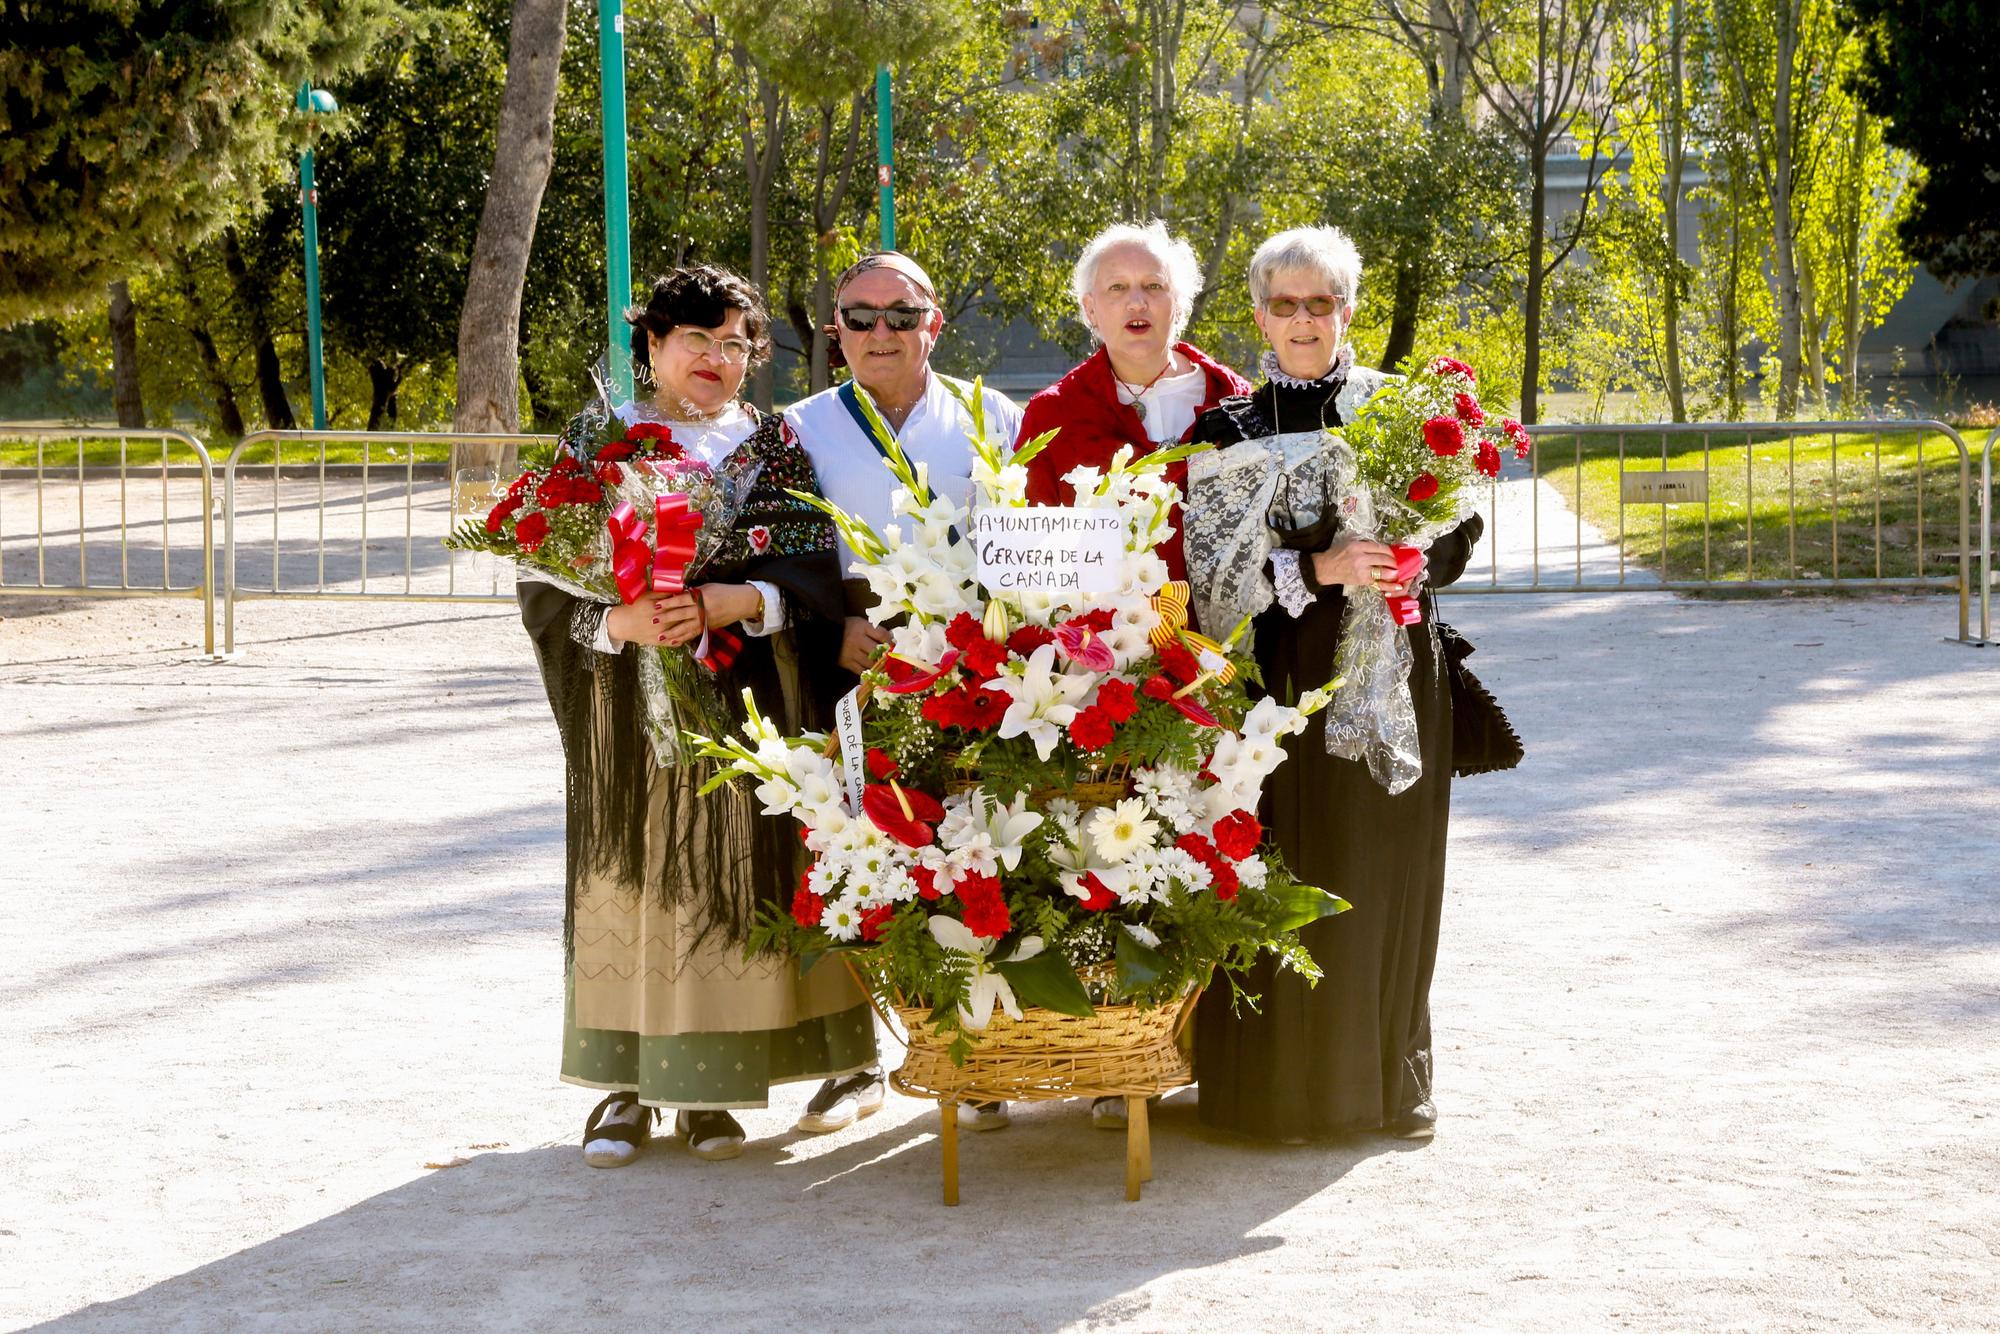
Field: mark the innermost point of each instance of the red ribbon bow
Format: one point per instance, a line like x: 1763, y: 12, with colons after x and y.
x: 662, y: 567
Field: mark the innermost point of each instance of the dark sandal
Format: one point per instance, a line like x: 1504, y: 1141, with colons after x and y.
x: 621, y: 1142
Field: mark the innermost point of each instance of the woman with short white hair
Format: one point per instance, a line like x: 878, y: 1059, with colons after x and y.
x: 1135, y: 286
x: 1353, y: 1053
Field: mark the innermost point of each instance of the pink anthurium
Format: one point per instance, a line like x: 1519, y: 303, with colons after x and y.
x: 1085, y: 647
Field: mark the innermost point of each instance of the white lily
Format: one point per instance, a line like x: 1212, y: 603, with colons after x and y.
x: 986, y: 988
x: 1006, y: 825
x: 1044, y: 700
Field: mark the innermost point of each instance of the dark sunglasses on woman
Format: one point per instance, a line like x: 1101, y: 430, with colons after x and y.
x: 902, y: 319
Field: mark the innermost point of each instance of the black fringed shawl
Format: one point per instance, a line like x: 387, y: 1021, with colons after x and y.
x: 717, y: 853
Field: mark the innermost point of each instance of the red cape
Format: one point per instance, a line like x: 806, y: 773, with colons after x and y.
x: 1092, y: 424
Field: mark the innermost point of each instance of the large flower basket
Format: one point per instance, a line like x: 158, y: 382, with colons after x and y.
x: 1120, y: 1051
x: 1032, y: 832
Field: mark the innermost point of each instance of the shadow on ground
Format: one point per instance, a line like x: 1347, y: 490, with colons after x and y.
x: 771, y: 1238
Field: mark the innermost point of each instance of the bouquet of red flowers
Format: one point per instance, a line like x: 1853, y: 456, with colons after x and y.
x: 620, y: 511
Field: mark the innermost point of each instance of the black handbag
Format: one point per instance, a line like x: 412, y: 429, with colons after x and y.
x: 1482, y: 740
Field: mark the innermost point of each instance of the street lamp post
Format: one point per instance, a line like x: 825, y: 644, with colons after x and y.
x: 314, y: 102
x: 617, y: 218
x: 885, y: 156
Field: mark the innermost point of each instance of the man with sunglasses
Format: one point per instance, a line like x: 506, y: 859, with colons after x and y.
x: 886, y: 321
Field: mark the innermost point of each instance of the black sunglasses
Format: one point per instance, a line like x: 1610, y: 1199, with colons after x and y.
x: 902, y: 319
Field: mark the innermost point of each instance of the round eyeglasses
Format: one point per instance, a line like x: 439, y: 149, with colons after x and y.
x: 729, y: 351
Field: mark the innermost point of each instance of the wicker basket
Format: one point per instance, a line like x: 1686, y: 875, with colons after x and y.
x: 1119, y: 1051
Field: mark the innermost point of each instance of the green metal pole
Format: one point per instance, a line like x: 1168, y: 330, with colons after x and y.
x: 885, y: 155
x: 309, y: 200
x: 617, y: 217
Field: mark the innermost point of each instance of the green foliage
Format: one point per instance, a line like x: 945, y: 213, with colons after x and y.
x: 132, y: 128
x: 1931, y: 71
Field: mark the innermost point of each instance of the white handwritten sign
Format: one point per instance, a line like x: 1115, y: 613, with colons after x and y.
x: 1051, y: 549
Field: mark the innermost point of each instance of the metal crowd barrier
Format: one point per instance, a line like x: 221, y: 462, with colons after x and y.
x: 1603, y: 562
x: 352, y: 501
x: 1986, y: 519
x: 94, y: 478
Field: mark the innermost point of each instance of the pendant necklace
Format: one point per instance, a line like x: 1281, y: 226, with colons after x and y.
x: 1138, y: 408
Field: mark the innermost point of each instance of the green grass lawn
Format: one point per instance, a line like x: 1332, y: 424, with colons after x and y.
x: 59, y: 453
x: 1858, y: 507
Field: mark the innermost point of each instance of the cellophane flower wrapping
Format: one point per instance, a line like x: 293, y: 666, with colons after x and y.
x: 965, y: 875
x: 552, y: 522
x: 1418, y: 444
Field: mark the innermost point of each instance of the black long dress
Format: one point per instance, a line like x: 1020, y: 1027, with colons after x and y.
x: 1353, y: 1053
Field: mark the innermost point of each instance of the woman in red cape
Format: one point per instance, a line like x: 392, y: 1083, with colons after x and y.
x: 1134, y: 287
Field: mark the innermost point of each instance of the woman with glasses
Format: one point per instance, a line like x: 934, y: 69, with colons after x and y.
x: 886, y: 322
x: 662, y: 1009
x: 1354, y: 1052
x: 1135, y: 288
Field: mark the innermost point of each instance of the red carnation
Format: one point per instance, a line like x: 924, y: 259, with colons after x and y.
x: 1092, y: 730
x: 1196, y: 846
x: 1517, y: 433
x: 521, y: 485
x: 610, y: 474
x: 616, y: 452
x: 1118, y: 700
x: 1423, y: 488
x: 1487, y: 460
x: 1028, y: 638
x: 982, y: 658
x: 1237, y: 835
x: 985, y: 907
x: 1222, y: 878
x: 649, y: 431
x: 963, y: 630
x: 873, y: 920
x: 1099, y: 897
x: 926, y: 879
x: 1444, y: 435
x: 531, y: 531
x: 1453, y: 366
x: 1469, y: 410
x: 1178, y: 663
x: 880, y: 767
x: 498, y: 514
x: 1158, y: 687
x: 807, y: 907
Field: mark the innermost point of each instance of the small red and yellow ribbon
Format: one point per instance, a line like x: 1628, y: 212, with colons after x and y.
x: 1171, y: 602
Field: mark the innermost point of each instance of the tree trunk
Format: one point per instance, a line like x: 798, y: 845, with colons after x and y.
x: 384, y: 380
x: 228, y: 414
x: 1811, y: 332
x: 1531, y: 303
x: 1782, y: 222
x: 1406, y: 305
x: 830, y: 188
x: 489, y: 324
x: 1673, y: 153
x: 125, y: 396
x: 1732, y: 334
x: 760, y: 169
x: 251, y: 296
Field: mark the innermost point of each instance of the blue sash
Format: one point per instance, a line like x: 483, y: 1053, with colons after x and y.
x: 848, y: 396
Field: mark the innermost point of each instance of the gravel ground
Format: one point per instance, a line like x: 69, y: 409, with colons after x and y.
x: 280, y: 983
